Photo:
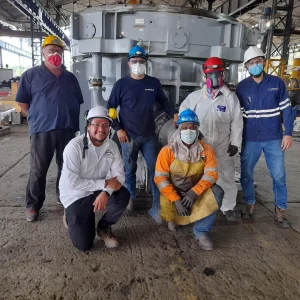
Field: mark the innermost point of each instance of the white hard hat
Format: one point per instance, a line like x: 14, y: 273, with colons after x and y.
x: 98, y: 112
x: 252, y: 52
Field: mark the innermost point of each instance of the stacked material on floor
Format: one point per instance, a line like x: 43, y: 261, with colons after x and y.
x: 8, y: 115
x: 296, y: 129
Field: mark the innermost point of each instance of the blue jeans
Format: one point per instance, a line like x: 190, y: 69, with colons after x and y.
x: 150, y: 148
x: 204, y: 225
x: 251, y: 151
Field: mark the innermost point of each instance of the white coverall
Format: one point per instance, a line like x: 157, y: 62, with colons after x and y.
x: 221, y: 123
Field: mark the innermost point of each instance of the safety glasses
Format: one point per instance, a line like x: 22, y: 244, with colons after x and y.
x: 255, y: 61
x: 137, y: 61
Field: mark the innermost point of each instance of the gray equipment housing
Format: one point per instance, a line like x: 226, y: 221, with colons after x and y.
x: 177, y: 40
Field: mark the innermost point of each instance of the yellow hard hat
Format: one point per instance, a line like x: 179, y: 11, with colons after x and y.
x: 52, y: 40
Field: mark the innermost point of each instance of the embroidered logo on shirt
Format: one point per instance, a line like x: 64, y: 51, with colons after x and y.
x: 150, y: 90
x: 273, y: 89
x: 221, y: 108
x: 108, y: 153
x: 248, y: 100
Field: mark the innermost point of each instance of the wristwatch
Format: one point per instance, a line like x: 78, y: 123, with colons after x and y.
x: 106, y: 192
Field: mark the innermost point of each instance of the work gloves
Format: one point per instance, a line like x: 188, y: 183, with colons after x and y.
x: 182, y: 211
x: 189, y: 199
x: 184, y: 206
x: 232, y: 150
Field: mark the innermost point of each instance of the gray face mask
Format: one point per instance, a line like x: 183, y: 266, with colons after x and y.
x: 138, y: 69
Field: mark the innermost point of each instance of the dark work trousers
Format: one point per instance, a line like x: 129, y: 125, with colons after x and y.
x: 80, y: 217
x: 42, y: 148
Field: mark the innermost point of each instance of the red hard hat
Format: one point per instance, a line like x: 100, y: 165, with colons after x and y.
x: 213, y: 64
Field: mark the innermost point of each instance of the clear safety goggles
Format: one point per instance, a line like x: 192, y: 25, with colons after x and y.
x: 137, y: 61
x: 255, y: 61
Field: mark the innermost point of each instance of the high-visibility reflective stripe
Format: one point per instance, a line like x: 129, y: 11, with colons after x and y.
x: 283, y: 107
x: 163, y: 184
x: 165, y: 174
x: 261, y: 111
x: 284, y: 101
x: 208, y: 178
x: 210, y: 169
x: 261, y: 116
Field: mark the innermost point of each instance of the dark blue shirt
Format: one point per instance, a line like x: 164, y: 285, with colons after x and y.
x: 54, y: 102
x: 263, y: 106
x: 136, y: 99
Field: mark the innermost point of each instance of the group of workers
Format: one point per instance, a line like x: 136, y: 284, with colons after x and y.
x: 191, y: 178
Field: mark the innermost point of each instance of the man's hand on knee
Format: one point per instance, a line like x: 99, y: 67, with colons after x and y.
x: 100, y: 202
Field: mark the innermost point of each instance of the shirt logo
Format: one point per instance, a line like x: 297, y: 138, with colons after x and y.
x: 221, y: 108
x: 108, y: 153
x: 273, y: 89
x: 248, y: 100
x: 150, y: 90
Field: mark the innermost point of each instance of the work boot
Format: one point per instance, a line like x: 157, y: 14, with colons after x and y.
x: 205, y: 242
x: 65, y: 220
x: 131, y: 206
x: 108, y: 237
x: 172, y: 226
x: 32, y: 215
x: 248, y: 211
x: 232, y: 215
x: 281, y: 218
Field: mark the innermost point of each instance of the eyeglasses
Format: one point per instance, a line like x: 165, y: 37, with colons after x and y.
x: 103, y: 126
x: 52, y: 51
x: 137, y: 61
x: 189, y: 126
x: 255, y: 61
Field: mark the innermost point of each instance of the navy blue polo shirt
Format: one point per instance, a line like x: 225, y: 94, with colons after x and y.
x: 54, y: 102
x: 136, y: 99
x: 263, y: 107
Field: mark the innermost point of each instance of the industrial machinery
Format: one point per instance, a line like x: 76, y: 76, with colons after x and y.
x: 178, y: 41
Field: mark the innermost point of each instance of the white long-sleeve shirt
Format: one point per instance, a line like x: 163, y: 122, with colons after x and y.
x: 83, y: 176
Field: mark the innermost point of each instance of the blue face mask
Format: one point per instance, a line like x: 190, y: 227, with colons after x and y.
x: 256, y: 70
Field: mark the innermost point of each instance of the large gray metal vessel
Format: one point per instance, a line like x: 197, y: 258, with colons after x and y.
x: 178, y: 41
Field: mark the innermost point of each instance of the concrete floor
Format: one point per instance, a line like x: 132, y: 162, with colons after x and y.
x: 252, y: 260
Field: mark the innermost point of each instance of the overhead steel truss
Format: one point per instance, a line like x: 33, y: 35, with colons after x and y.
x: 33, y: 10
x: 282, y: 28
x: 15, y: 50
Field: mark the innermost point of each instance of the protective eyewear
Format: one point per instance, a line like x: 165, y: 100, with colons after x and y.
x: 103, y: 126
x: 255, y: 62
x: 190, y: 126
x: 137, y: 61
x: 218, y: 73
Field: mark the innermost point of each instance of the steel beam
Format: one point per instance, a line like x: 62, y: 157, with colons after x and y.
x: 23, y: 34
x: 236, y: 8
x: 285, y: 21
x: 32, y: 9
x: 15, y: 50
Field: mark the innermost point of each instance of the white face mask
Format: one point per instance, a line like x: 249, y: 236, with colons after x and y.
x: 188, y: 136
x: 138, y: 69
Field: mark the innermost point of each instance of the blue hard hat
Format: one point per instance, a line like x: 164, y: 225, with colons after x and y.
x: 137, y: 51
x: 187, y: 116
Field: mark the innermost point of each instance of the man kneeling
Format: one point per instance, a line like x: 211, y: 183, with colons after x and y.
x: 91, y: 181
x: 185, y: 174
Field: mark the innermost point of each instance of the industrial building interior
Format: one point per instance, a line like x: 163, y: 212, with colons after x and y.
x: 252, y: 259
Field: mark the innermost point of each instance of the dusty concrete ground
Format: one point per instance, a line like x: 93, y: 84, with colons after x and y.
x: 252, y: 260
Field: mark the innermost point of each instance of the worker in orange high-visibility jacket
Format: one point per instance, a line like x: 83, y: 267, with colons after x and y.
x: 185, y: 174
